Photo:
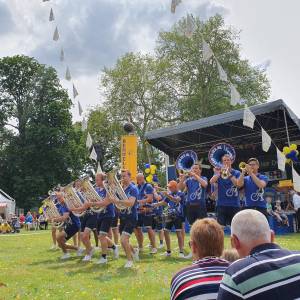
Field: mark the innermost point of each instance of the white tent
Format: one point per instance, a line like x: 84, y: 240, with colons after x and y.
x: 7, y: 204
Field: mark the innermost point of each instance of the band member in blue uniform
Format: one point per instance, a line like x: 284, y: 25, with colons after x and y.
x: 254, y: 184
x: 174, y: 201
x: 105, y: 218
x: 88, y: 222
x: 195, y: 185
x: 128, y: 217
x: 71, y: 226
x: 145, y: 212
x: 228, y: 203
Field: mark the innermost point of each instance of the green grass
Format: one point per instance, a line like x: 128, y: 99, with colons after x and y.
x: 28, y: 270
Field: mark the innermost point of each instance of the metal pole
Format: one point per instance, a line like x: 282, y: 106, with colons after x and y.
x: 286, y: 128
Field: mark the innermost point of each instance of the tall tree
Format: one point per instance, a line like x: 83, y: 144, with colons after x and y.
x: 45, y: 149
x: 194, y: 83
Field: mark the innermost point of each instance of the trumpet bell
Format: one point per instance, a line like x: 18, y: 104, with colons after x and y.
x: 242, y: 165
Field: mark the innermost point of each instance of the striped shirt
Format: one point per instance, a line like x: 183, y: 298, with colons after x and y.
x: 199, y: 281
x: 269, y: 272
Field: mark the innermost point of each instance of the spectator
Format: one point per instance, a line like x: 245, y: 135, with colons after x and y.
x: 281, y: 217
x: 265, y: 271
x: 230, y: 255
x: 22, y: 220
x: 296, y: 203
x: 28, y: 221
x: 202, y: 279
x: 5, y: 228
x: 43, y: 223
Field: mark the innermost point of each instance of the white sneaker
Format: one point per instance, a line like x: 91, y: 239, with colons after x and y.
x: 160, y: 246
x: 153, y: 251
x: 53, y: 247
x: 189, y: 256
x: 65, y: 256
x: 135, y: 255
x: 80, y: 251
x: 181, y: 255
x: 167, y: 253
x: 102, y: 261
x: 116, y: 252
x: 88, y: 257
x: 96, y: 248
x: 129, y: 264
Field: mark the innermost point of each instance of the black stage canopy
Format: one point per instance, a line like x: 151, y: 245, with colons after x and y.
x: 279, y: 121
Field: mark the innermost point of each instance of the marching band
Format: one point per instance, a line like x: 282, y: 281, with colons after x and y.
x: 114, y: 207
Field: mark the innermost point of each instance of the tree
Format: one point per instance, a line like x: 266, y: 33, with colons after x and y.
x: 195, y: 85
x: 45, y: 149
x: 176, y: 85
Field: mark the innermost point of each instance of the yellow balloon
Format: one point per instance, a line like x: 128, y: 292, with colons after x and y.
x: 149, y: 178
x: 147, y: 171
x: 152, y: 172
x: 153, y: 167
x: 293, y: 147
x: 286, y: 150
x: 40, y: 210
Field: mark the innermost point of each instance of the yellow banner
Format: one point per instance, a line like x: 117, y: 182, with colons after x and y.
x: 129, y: 154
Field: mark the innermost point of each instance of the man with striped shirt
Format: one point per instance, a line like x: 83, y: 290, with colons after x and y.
x: 266, y: 271
x: 202, y: 279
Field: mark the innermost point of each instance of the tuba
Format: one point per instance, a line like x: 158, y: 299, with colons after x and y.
x: 185, y: 161
x: 50, y: 211
x: 115, y: 190
x: 72, y: 200
x: 215, y: 155
x: 90, y: 195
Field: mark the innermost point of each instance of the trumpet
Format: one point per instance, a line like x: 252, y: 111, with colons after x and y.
x: 225, y: 173
x: 242, y: 166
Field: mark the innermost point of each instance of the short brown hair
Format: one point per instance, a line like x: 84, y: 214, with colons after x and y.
x: 253, y: 159
x: 230, y: 255
x: 208, y: 236
x: 126, y: 171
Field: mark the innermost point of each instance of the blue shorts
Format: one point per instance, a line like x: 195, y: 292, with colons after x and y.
x: 70, y: 230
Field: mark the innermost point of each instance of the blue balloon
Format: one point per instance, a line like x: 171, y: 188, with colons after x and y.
x: 147, y: 166
x: 293, y: 156
x: 155, y: 178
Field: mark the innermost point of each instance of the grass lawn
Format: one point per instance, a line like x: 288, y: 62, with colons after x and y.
x: 28, y: 270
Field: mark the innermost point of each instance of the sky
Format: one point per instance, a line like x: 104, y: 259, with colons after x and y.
x: 95, y: 33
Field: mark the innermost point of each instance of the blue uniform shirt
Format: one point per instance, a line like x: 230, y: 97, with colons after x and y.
x: 254, y: 195
x: 145, y: 189
x: 63, y: 209
x: 158, y: 210
x: 228, y: 194
x: 131, y: 212
x: 178, y: 207
x: 196, y: 194
x: 109, y: 210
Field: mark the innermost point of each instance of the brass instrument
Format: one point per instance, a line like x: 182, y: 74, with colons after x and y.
x: 90, y: 195
x: 115, y: 190
x: 225, y: 173
x: 185, y: 162
x: 161, y: 189
x: 242, y: 165
x: 50, y: 211
x: 72, y: 200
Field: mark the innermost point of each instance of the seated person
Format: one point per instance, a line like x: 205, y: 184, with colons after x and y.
x: 15, y: 224
x: 5, y: 228
x: 265, y: 270
x: 22, y: 220
x: 43, y: 223
x: 270, y: 211
x: 201, y: 280
x: 28, y: 221
x: 280, y: 214
x: 230, y: 255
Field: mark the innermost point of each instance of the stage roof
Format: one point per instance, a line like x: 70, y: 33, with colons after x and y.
x: 200, y: 135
